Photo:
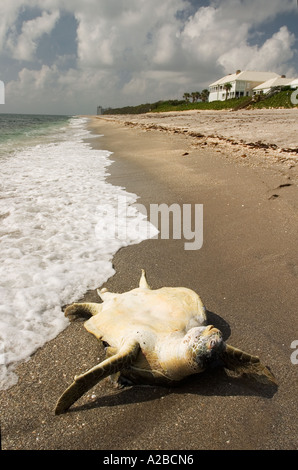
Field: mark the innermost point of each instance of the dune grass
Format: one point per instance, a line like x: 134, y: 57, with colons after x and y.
x: 279, y: 100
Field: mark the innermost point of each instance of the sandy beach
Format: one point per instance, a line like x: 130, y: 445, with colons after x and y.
x: 243, y: 168
x: 269, y: 132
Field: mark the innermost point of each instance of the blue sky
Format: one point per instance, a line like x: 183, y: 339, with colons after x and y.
x: 68, y: 56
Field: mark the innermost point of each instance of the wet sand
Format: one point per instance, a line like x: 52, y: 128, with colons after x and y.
x: 246, y: 273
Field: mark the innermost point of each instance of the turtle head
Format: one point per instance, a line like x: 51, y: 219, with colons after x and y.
x: 204, y: 346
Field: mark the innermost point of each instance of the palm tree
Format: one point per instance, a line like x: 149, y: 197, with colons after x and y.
x: 204, y: 95
x: 186, y: 96
x: 196, y: 95
x: 227, y: 87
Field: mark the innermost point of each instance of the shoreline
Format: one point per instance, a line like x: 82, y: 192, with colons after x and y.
x: 246, y: 273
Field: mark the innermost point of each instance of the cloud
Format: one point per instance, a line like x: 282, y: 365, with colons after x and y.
x: 166, y: 45
x: 221, y: 34
x: 128, y: 36
x: 46, y: 89
x: 273, y: 55
x: 252, y: 11
x: 23, y: 47
x: 132, y: 51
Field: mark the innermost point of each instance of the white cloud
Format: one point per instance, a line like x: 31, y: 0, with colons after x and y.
x: 253, y: 11
x: 46, y: 89
x: 33, y: 84
x: 166, y: 44
x: 273, y: 55
x: 126, y: 36
x: 208, y: 34
x: 275, y: 52
x: 23, y: 47
x: 220, y: 34
x: 8, y: 15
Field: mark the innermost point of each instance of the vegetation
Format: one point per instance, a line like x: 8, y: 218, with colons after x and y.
x: 139, y: 109
x: 227, y: 88
x: 196, y: 96
x: 281, y: 99
x: 278, y: 100
x: 165, y: 106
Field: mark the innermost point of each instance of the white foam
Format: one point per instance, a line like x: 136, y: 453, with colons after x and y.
x: 51, y: 209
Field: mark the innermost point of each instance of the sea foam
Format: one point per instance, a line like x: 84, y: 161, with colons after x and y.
x: 52, y: 197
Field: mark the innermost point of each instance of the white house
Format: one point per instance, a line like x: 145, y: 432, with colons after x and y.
x: 242, y: 84
x: 272, y: 83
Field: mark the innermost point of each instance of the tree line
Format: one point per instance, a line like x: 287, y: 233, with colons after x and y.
x: 196, y: 96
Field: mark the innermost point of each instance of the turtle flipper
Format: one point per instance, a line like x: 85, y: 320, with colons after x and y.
x: 143, y: 281
x: 76, y: 310
x: 83, y: 383
x: 246, y: 364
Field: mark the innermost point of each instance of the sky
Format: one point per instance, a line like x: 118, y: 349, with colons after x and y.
x: 69, y: 56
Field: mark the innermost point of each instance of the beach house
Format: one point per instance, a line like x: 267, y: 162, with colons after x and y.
x: 269, y: 85
x: 238, y: 84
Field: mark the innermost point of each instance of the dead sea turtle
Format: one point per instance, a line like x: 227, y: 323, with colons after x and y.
x: 154, y: 337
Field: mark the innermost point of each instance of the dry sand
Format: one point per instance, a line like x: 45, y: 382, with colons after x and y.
x: 246, y: 273
x: 272, y: 131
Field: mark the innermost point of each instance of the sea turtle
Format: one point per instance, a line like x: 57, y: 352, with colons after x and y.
x: 154, y: 337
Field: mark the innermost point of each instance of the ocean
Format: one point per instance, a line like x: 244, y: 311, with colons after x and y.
x: 58, y: 219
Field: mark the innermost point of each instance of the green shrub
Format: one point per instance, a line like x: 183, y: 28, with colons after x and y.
x: 279, y: 100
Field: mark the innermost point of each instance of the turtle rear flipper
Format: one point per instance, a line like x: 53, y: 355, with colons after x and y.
x: 245, y: 364
x: 82, y: 310
x: 143, y: 281
x: 83, y: 383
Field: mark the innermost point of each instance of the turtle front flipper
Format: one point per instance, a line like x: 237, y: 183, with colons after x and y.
x: 243, y: 363
x: 83, y: 383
